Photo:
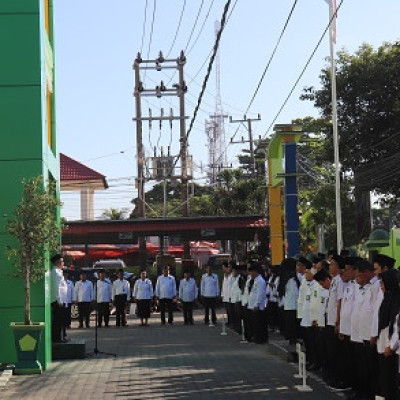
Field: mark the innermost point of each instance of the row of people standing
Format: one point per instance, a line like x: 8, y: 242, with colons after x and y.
x: 346, y: 313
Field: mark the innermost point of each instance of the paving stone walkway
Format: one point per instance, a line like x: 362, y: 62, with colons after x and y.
x: 171, y: 362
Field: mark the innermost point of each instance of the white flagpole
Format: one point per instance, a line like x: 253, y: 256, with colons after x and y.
x: 332, y: 33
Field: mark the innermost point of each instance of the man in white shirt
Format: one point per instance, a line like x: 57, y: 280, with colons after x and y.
x: 235, y: 297
x: 56, y: 312
x: 225, y: 290
x: 84, y: 296
x: 166, y: 294
x: 103, y: 298
x: 209, y: 290
x: 70, y: 298
x: 188, y: 293
x: 121, y: 294
x: 256, y: 304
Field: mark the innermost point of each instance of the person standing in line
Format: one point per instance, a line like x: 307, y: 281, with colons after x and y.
x: 289, y: 292
x: 70, y: 296
x: 388, y: 361
x: 306, y: 323
x: 188, y: 294
x: 226, y: 284
x: 166, y: 294
x: 56, y: 313
x: 104, y: 297
x: 335, y: 294
x: 272, y: 297
x: 256, y: 304
x: 63, y: 293
x: 209, y: 290
x: 238, y: 283
x: 84, y: 296
x: 142, y: 294
x: 245, y: 313
x: 121, y: 294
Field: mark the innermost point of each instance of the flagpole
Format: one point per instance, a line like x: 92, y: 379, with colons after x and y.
x: 339, y: 235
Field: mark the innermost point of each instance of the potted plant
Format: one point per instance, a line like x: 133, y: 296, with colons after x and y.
x: 35, y: 227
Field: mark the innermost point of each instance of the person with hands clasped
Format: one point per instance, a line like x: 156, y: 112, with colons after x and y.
x: 166, y: 294
x: 142, y: 294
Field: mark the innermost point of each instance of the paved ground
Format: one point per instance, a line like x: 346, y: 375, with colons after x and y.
x: 168, y: 362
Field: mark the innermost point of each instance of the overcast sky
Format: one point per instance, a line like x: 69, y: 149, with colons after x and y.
x: 96, y: 42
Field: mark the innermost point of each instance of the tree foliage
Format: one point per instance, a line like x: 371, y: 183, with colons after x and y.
x: 35, y: 227
x: 368, y: 92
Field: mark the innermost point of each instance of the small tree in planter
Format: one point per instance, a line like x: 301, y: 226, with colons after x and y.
x: 34, y: 225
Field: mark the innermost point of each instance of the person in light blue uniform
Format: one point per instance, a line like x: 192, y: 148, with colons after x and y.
x: 209, y: 290
x: 188, y: 293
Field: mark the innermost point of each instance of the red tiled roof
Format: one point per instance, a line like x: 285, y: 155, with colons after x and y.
x: 72, y: 170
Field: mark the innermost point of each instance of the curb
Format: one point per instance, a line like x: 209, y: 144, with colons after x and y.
x: 5, y: 377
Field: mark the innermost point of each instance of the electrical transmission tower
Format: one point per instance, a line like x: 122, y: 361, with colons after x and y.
x: 214, y: 127
x: 178, y: 89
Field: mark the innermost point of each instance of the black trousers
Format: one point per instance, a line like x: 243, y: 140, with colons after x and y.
x: 248, y: 326
x: 166, y: 304
x: 65, y: 312
x: 309, y: 337
x: 320, y: 349
x: 210, y: 303
x: 103, y: 312
x: 388, y: 377
x: 272, y: 314
x: 231, y: 314
x: 237, y: 317
x: 56, y: 322
x: 187, y: 312
x: 345, y: 361
x: 259, y: 326
x: 120, y: 309
x: 68, y: 319
x: 362, y: 373
x: 333, y: 355
x: 371, y: 356
x: 84, y: 313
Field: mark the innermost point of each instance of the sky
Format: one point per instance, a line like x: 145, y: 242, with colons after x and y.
x: 96, y: 42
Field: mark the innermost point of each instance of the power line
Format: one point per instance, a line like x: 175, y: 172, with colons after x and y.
x: 272, y: 56
x: 201, y: 28
x: 195, y: 24
x: 303, y: 70
x: 177, y: 29
x: 151, y: 32
x: 144, y: 26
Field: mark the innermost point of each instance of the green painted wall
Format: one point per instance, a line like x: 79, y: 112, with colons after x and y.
x: 24, y: 150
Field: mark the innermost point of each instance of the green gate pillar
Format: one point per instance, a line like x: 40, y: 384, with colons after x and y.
x: 28, y: 146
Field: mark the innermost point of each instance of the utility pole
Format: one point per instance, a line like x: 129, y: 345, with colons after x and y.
x: 250, y: 140
x: 160, y: 90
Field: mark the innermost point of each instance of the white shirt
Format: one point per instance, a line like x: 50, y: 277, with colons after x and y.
x: 209, y: 286
x: 367, y: 310
x: 394, y: 341
x: 335, y: 293
x: 346, y: 308
x: 359, y: 294
x: 235, y: 292
x: 56, y: 276
x: 257, y: 294
x: 315, y: 305
x: 83, y: 291
x: 166, y: 287
x: 273, y: 289
x: 70, y: 293
x: 188, y: 291
x: 63, y: 292
x: 302, y: 294
x: 226, y: 287
x: 291, y: 295
x: 383, y: 340
x: 121, y: 287
x: 143, y: 289
x: 377, y: 306
x: 306, y: 312
x: 104, y: 291
x: 323, y: 295
x: 245, y: 294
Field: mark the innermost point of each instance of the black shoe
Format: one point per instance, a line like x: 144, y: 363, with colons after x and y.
x: 80, y: 326
x: 99, y: 326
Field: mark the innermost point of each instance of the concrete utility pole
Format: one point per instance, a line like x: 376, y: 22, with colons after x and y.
x: 160, y: 90
x: 250, y: 140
